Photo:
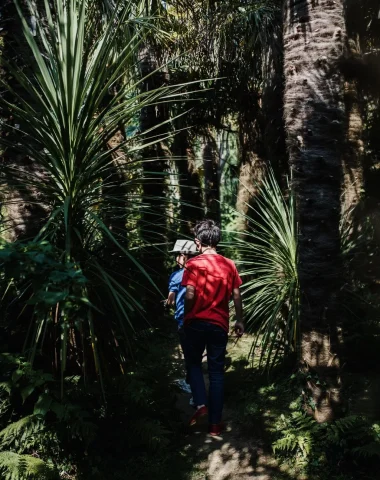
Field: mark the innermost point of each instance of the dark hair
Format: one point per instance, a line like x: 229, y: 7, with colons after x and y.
x: 207, y: 232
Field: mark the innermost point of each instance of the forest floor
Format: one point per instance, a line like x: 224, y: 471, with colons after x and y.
x: 257, y: 409
x: 237, y: 454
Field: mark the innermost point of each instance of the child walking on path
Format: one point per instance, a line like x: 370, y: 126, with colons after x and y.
x: 183, y: 249
x: 210, y: 280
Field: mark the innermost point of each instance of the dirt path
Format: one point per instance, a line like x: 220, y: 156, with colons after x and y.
x: 233, y: 455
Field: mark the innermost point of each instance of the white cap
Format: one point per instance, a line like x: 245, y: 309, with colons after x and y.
x: 187, y: 247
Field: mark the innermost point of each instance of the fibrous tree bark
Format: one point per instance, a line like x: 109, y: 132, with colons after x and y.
x: 314, y: 40
x: 352, y: 162
x: 211, y: 168
x: 21, y: 218
x: 155, y: 161
x: 252, y: 168
x: 191, y: 201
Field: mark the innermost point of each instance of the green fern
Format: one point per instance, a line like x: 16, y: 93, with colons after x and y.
x: 351, y: 428
x: 367, y: 451
x: 306, y: 442
x: 298, y: 434
x: 19, y: 435
x: 84, y: 430
x: 302, y: 421
x: 24, y: 467
x: 148, y: 432
x: 286, y: 444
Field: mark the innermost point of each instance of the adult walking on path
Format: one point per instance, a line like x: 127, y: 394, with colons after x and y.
x: 210, y: 281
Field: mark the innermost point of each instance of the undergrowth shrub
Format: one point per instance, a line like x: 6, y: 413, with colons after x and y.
x: 37, y: 422
x: 43, y: 434
x: 311, y: 445
x: 276, y: 411
x: 19, y: 467
x: 52, y: 425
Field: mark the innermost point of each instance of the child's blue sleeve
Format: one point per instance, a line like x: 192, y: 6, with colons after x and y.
x: 173, y: 283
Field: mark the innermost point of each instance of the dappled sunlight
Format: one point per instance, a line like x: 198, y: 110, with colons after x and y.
x: 229, y: 459
x: 122, y: 125
x: 241, y: 451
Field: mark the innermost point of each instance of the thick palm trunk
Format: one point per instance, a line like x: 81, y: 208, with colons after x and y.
x: 261, y: 133
x: 314, y: 38
x: 252, y: 169
x: 191, y: 201
x: 21, y: 217
x: 155, y: 166
x: 353, y: 182
x: 211, y: 175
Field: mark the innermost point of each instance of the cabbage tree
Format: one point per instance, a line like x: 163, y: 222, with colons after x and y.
x: 79, y: 88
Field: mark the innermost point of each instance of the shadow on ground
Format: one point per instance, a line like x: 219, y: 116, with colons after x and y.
x: 241, y: 452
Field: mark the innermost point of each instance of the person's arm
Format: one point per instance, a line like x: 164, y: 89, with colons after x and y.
x: 239, y: 325
x: 173, y: 289
x: 171, y: 299
x: 189, y: 298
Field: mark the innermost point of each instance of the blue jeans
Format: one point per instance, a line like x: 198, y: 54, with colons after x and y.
x: 201, y: 335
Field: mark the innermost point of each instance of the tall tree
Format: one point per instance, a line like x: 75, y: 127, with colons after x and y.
x: 191, y: 201
x: 211, y: 162
x: 68, y: 124
x: 361, y: 67
x: 21, y: 215
x: 237, y: 41
x: 154, y: 116
x: 314, y: 41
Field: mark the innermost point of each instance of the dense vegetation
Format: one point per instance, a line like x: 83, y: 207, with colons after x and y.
x: 122, y: 124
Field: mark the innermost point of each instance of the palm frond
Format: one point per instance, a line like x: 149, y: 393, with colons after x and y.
x: 268, y: 258
x: 82, y: 86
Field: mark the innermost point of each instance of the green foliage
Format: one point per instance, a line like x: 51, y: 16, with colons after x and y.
x: 34, y: 271
x: 21, y: 434
x: 268, y: 260
x: 24, y: 467
x: 81, y: 89
x: 33, y: 274
x: 139, y: 410
x: 310, y: 444
x: 346, y: 448
x: 35, y: 420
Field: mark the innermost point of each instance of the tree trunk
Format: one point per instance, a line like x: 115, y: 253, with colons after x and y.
x: 21, y: 218
x: 314, y: 39
x: 353, y: 182
x: 191, y: 200
x: 155, y: 166
x: 211, y: 176
x: 352, y: 165
x: 252, y: 169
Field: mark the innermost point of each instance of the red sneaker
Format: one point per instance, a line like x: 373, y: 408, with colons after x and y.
x: 201, y: 412
x: 215, y: 429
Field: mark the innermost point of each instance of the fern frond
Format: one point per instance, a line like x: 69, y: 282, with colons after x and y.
x: 305, y: 443
x: 288, y: 443
x: 301, y: 421
x: 347, y: 423
x: 84, y: 430
x: 149, y: 432
x: 16, y: 434
x: 24, y: 467
x: 370, y: 450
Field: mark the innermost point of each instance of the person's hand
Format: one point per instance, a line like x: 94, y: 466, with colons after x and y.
x: 239, y: 328
x: 171, y: 299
